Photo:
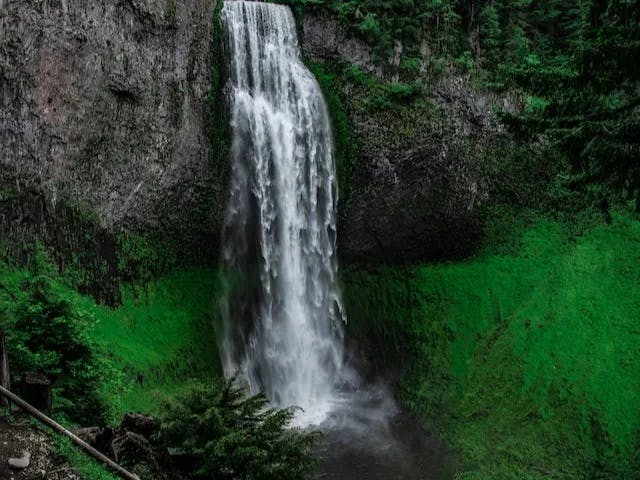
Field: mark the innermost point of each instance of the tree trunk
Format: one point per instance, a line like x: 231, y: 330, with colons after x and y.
x: 36, y: 390
x: 474, y: 34
x: 5, y: 379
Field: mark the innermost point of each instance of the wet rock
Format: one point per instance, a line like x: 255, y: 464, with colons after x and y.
x: 145, y: 425
x: 325, y: 39
x: 99, y: 438
x: 20, y: 463
x: 421, y: 177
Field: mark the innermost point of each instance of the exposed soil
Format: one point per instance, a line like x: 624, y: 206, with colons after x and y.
x: 19, y: 436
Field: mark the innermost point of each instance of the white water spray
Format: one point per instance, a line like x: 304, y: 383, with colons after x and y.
x: 284, y: 319
x: 283, y: 329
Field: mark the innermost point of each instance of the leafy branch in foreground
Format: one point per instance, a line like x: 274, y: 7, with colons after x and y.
x: 231, y: 436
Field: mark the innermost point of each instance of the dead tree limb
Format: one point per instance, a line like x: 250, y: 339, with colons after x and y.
x: 74, y: 438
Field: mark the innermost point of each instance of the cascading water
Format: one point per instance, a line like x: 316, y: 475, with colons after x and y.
x: 283, y: 330
x: 284, y: 319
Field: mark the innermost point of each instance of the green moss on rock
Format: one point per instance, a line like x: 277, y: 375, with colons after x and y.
x: 346, y: 142
x: 523, y: 359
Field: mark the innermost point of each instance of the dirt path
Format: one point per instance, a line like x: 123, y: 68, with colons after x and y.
x: 19, y: 436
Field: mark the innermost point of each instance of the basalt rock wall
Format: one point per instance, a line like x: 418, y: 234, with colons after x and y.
x: 104, y: 107
x: 421, y: 177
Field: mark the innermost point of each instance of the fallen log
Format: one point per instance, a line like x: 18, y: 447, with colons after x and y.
x: 74, y: 438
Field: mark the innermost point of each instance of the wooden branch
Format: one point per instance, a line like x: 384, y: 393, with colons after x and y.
x: 5, y: 377
x: 74, y: 438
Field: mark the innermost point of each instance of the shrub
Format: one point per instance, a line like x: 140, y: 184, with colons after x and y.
x: 230, y: 436
x: 47, y: 333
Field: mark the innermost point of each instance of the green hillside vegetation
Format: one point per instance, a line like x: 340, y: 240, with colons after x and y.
x: 573, y: 63
x: 525, y: 357
x: 125, y: 358
x: 161, y: 337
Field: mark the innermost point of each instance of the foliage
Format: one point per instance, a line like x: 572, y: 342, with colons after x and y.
x: 140, y: 259
x: 525, y: 356
x: 585, y: 85
x: 574, y: 61
x: 161, y: 336
x: 345, y: 141
x: 106, y: 360
x: 381, y: 94
x: 385, y: 24
x: 47, y: 333
x: 82, y: 463
x: 231, y: 436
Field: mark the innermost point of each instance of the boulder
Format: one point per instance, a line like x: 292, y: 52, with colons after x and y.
x: 36, y: 390
x: 129, y: 444
x: 99, y: 438
x: 135, y: 452
x: 130, y: 448
x: 20, y: 463
x: 145, y: 425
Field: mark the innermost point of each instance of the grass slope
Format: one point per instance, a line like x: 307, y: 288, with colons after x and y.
x: 527, y: 355
x: 155, y: 343
x: 160, y: 337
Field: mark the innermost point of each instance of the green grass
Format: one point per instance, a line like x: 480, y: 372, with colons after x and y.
x: 148, y: 349
x: 85, y: 465
x: 160, y: 337
x: 526, y: 359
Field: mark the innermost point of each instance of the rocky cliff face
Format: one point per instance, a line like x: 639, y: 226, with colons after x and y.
x: 420, y: 179
x: 325, y: 39
x: 104, y: 106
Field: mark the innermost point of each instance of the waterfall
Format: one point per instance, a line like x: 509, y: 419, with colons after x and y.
x: 284, y: 319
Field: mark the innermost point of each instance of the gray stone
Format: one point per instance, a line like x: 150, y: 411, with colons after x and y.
x: 136, y: 452
x: 105, y: 104
x: 89, y: 434
x: 99, y: 438
x: 131, y: 447
x: 325, y: 39
x: 145, y: 425
x: 20, y: 463
x: 419, y: 182
x: 420, y: 179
